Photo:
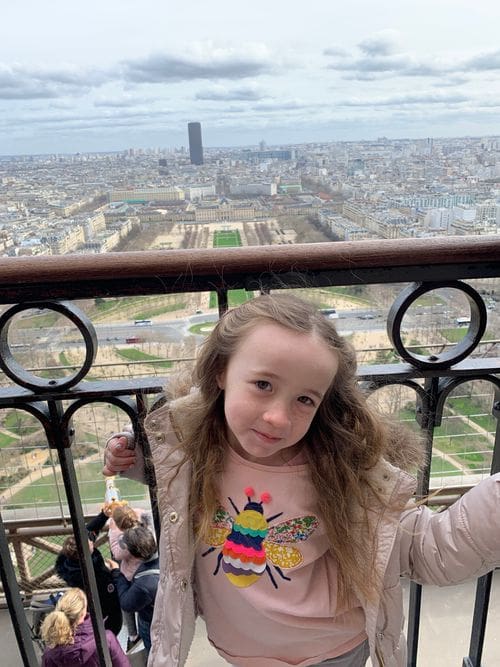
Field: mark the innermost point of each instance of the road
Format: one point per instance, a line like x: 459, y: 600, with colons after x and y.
x: 174, y: 330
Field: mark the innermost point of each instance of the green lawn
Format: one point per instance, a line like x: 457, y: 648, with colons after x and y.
x: 132, y: 354
x: 235, y: 297
x: 440, y: 466
x: 7, y: 440
x: 20, y: 422
x: 227, y: 239
x: 90, y: 482
x: 458, y: 438
x: 63, y: 359
x: 471, y: 409
x: 429, y: 300
x: 46, y: 320
x: 455, y: 334
x: 203, y: 328
x: 160, y: 310
x: 137, y: 308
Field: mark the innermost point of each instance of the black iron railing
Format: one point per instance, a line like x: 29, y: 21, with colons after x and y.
x: 55, y: 283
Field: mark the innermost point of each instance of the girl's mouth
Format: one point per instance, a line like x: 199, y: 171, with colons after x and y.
x: 267, y: 437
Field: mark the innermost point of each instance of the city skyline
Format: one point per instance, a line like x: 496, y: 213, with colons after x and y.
x: 91, y: 78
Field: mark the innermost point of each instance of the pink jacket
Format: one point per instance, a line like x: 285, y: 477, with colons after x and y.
x: 444, y: 548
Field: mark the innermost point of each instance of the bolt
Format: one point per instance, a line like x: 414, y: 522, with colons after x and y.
x: 52, y: 382
x: 71, y: 431
x: 432, y: 357
x: 419, y: 410
x: 496, y: 405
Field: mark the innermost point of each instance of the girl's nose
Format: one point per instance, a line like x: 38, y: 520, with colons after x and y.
x: 277, y: 415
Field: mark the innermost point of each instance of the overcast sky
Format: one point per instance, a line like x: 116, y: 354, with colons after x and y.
x: 115, y: 74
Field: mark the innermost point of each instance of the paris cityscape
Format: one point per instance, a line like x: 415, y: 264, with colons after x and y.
x: 203, y: 197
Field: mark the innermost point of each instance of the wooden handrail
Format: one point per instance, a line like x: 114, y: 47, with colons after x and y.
x: 251, y: 259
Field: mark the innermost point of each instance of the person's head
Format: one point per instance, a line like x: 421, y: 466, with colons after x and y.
x: 140, y: 542
x: 125, y: 517
x: 70, y: 548
x: 58, y: 627
x: 283, y: 337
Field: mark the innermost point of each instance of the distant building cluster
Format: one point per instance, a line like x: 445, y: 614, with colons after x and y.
x: 58, y: 204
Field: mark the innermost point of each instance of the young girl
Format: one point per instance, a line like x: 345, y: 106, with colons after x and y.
x: 69, y: 636
x: 285, y: 505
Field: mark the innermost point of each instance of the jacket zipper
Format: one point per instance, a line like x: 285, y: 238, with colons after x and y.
x: 378, y: 654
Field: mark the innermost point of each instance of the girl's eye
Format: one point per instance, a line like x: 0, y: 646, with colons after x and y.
x: 264, y: 385
x: 306, y: 400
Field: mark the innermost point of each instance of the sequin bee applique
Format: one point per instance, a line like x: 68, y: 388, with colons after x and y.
x: 248, y: 543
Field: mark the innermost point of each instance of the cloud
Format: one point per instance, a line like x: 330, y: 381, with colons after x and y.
x: 483, y: 62
x: 221, y: 93
x: 335, y: 51
x: 205, y: 62
x: 381, y: 58
x: 399, y: 64
x: 382, y: 43
x: 406, y: 100
x: 20, y: 82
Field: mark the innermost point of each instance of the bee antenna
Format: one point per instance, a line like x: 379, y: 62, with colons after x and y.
x: 265, y: 497
x: 249, y: 492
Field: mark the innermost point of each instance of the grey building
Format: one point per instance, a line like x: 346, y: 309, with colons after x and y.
x: 195, y: 145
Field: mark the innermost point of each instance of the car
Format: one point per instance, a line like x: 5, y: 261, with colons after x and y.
x: 330, y: 313
x: 366, y: 316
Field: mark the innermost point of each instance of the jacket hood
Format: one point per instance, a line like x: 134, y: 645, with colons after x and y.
x: 80, y: 653
x: 67, y: 568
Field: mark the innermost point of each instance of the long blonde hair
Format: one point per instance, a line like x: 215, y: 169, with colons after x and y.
x: 345, y: 440
x: 58, y: 627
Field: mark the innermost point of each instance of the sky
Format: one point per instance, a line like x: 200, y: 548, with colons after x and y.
x: 110, y: 75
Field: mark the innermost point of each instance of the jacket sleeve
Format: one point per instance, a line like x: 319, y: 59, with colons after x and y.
x: 461, y: 543
x: 133, y: 595
x: 137, y: 471
x: 95, y: 525
x: 118, y: 657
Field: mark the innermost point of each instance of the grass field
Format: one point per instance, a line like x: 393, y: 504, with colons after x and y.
x: 132, y: 354
x: 229, y: 239
x: 91, y: 483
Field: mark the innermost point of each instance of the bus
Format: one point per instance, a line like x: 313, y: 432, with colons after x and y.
x: 462, y: 321
x: 143, y: 323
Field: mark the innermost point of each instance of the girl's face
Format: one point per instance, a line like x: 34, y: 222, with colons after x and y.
x: 273, y: 385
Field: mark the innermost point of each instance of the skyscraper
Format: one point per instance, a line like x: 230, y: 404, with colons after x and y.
x: 195, y: 145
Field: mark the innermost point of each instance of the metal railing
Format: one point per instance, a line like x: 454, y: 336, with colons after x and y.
x: 55, y: 283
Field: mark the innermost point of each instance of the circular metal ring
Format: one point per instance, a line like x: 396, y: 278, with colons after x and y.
x: 13, y: 369
x: 477, y: 326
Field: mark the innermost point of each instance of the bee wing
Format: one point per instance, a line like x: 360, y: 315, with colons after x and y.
x: 292, y: 530
x: 220, y: 527
x: 282, y: 555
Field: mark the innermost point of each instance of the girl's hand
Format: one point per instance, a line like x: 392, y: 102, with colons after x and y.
x: 117, y: 457
x: 111, y: 564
